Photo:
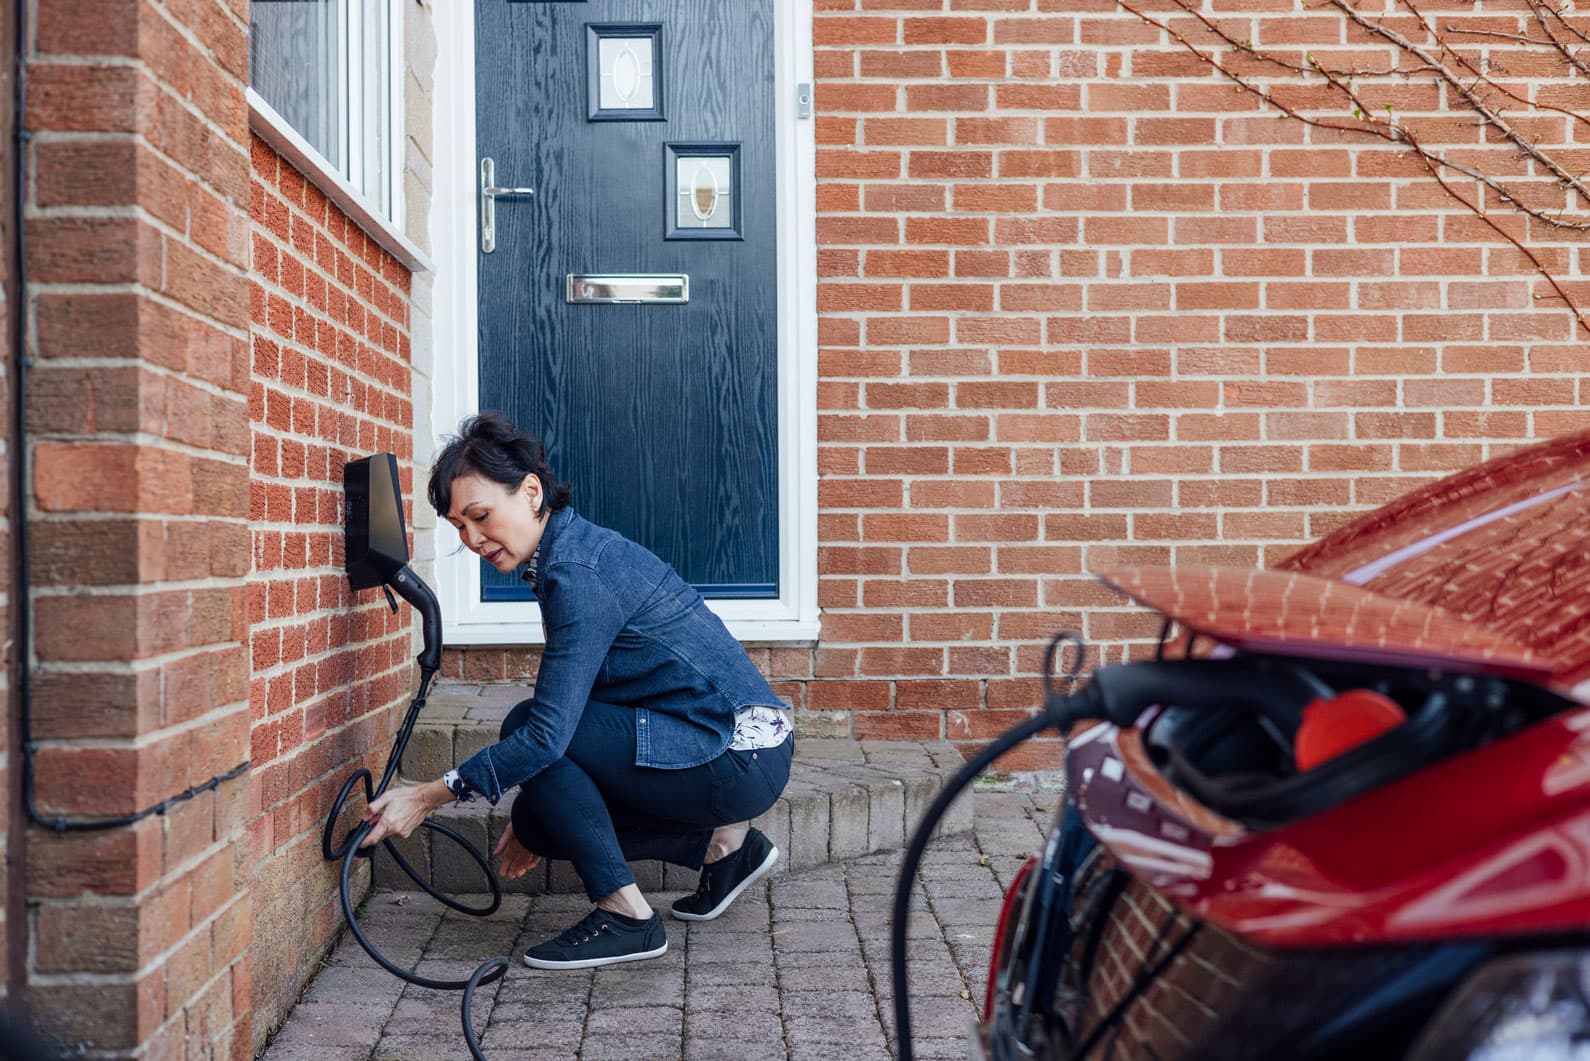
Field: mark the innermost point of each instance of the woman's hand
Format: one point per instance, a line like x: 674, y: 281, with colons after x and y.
x: 399, y: 811
x: 515, y: 859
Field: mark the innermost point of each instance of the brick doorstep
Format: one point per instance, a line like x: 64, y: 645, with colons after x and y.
x: 845, y: 799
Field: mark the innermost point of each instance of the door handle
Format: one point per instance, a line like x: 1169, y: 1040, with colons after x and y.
x: 489, y: 194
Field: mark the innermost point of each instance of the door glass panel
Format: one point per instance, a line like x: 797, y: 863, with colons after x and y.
x: 703, y: 196
x: 705, y: 190
x: 626, y: 73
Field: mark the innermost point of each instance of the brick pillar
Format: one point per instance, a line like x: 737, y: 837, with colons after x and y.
x: 139, y: 439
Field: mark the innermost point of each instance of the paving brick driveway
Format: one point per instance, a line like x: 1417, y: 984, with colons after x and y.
x: 798, y: 968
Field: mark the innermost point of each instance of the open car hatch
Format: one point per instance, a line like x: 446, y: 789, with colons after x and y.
x: 1293, y: 614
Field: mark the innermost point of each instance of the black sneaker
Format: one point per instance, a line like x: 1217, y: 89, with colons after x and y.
x: 723, y: 881
x: 602, y: 938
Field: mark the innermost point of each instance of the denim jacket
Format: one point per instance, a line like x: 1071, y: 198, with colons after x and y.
x: 623, y: 628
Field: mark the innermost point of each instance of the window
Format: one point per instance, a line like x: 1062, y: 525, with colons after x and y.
x: 326, y: 68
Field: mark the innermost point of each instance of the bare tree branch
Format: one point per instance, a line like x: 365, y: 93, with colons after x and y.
x: 1553, y: 41
x: 1479, y: 106
x: 1462, y: 77
x: 1540, y: 267
x: 1247, y: 48
x: 1433, y: 166
x: 1389, y: 131
x: 1481, y: 76
x: 1499, y: 36
x: 1540, y: 9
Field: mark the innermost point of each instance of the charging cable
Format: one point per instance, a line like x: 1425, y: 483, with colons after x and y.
x: 1056, y: 715
x: 410, y: 586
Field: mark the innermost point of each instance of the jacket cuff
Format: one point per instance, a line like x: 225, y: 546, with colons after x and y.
x: 480, y: 774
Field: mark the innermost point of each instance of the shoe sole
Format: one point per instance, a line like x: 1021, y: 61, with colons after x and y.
x: 755, y: 875
x: 592, y: 963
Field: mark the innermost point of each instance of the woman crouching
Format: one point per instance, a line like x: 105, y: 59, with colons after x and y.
x: 651, y: 735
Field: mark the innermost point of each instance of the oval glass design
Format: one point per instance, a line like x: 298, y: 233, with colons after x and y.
x: 704, y: 193
x: 701, y: 182
x: 626, y: 73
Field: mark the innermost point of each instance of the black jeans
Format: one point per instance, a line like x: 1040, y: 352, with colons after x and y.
x: 595, y: 808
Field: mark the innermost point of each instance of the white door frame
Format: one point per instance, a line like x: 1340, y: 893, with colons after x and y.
x: 793, y: 616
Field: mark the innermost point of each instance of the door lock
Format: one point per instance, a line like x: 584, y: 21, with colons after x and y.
x: 489, y: 194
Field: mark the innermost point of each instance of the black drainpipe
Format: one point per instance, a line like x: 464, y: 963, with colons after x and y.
x: 16, y: 298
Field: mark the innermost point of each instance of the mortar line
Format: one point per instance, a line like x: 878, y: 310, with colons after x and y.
x: 944, y: 934
x: 585, y: 1022
x: 684, y: 1000
x: 424, y: 950
x: 500, y: 984
x: 872, y: 982
x: 778, y: 978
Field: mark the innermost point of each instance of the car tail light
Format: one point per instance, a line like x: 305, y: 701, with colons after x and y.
x: 1006, y: 927
x: 1518, y: 1007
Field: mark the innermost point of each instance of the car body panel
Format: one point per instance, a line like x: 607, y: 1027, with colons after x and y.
x: 1499, y: 546
x: 1437, y: 854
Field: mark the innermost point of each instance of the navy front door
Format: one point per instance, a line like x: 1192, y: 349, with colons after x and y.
x: 645, y: 129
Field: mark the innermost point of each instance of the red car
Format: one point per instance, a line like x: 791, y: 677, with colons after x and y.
x: 1345, y: 814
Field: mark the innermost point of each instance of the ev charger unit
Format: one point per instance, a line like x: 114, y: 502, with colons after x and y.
x: 376, y: 551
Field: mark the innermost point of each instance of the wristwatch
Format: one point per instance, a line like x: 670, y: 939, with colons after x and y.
x: 461, y: 789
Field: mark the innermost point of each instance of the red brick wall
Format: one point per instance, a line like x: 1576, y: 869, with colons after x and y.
x: 330, y: 672
x: 138, y: 428
x: 1082, y: 303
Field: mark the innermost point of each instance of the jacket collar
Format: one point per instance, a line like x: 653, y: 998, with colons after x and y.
x: 531, y: 570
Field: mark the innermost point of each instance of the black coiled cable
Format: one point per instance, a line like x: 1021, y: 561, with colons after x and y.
x: 489, y: 971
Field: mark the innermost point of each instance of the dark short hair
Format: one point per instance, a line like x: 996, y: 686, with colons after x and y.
x: 490, y: 445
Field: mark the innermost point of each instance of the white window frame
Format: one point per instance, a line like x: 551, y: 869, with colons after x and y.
x: 792, y: 617
x: 343, y: 185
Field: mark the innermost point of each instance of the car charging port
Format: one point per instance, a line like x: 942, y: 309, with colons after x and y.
x: 1264, y: 750
x: 1333, y: 725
